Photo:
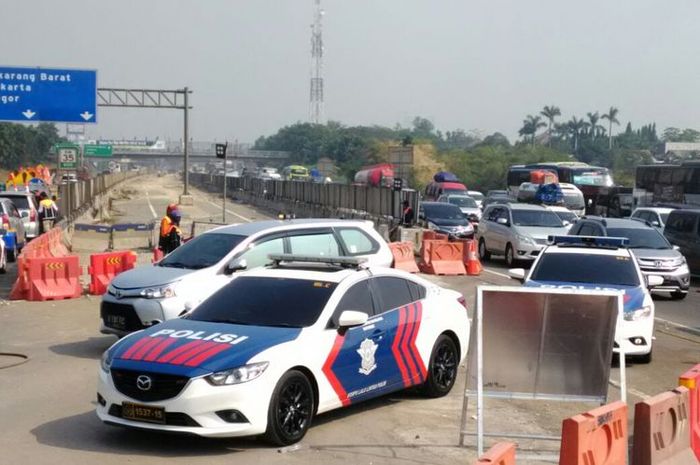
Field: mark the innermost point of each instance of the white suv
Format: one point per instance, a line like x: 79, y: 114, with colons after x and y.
x: 150, y: 294
x: 656, y: 216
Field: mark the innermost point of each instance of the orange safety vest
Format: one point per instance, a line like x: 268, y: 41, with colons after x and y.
x: 165, y: 225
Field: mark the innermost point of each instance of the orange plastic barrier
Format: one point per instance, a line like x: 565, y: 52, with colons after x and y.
x: 597, y: 437
x: 443, y: 258
x: 662, y: 430
x: 21, y: 286
x: 424, y: 246
x: 105, y: 266
x: 502, y: 453
x: 403, y: 256
x: 55, y: 243
x: 430, y: 235
x: 691, y: 380
x: 53, y: 278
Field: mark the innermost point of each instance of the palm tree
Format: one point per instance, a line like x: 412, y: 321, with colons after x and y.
x: 611, y: 116
x: 530, y: 126
x: 575, y: 127
x: 593, y: 126
x: 550, y: 112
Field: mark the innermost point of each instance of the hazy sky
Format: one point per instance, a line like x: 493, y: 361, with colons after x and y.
x: 473, y: 64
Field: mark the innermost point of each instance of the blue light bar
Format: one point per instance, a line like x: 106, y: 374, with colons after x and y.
x: 590, y: 241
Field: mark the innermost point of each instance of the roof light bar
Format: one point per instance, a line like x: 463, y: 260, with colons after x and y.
x: 589, y: 241
x: 289, y: 257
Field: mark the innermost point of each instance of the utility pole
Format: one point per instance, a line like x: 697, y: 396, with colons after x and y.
x: 316, y: 88
x: 221, y: 151
x: 186, y: 148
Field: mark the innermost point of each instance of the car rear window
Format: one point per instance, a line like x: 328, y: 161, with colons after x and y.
x: 20, y: 201
x: 266, y: 301
x: 587, y: 269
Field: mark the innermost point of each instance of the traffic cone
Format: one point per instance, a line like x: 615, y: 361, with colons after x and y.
x: 473, y: 264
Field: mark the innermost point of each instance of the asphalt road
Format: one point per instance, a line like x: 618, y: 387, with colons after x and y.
x: 47, y: 413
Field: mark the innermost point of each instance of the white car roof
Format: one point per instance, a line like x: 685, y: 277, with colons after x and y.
x: 557, y: 208
x: 334, y: 275
x: 656, y: 209
x: 248, y: 229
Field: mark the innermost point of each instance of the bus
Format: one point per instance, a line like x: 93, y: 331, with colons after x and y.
x: 295, y: 173
x: 667, y: 184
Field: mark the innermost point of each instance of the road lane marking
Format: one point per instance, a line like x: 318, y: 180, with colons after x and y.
x: 690, y: 329
x: 233, y: 213
x: 631, y: 390
x: 150, y: 205
x: 502, y: 275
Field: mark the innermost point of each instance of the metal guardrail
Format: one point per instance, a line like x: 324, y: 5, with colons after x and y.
x: 74, y: 197
x: 374, y: 201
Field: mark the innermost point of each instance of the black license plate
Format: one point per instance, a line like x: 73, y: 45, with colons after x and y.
x: 115, y: 321
x: 145, y: 413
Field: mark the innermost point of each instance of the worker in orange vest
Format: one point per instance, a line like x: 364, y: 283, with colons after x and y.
x: 166, y: 224
x: 173, y: 238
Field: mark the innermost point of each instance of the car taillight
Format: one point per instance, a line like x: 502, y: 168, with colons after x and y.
x: 462, y: 301
x: 5, y: 221
x: 32, y: 215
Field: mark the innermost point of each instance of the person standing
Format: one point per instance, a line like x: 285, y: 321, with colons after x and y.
x: 172, y: 239
x: 165, y: 224
x: 48, y: 212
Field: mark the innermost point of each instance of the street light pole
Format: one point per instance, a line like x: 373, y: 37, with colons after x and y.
x: 225, y: 182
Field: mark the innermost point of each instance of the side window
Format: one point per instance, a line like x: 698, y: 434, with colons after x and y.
x: 586, y: 230
x: 417, y: 291
x: 357, y: 298
x: 323, y: 244
x: 357, y: 242
x: 680, y: 223
x: 15, y: 212
x: 392, y: 292
x: 257, y: 253
x: 493, y: 214
x: 504, y: 213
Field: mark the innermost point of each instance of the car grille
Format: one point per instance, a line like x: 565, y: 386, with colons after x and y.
x: 120, y: 316
x: 656, y: 265
x: 171, y: 418
x: 162, y: 386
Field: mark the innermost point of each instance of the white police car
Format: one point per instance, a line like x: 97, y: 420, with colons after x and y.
x: 278, y: 345
x: 580, y: 262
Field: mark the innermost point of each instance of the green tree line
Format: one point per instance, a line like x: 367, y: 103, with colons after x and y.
x: 22, y: 145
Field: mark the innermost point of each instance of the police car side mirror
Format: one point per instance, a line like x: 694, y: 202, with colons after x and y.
x: 237, y: 264
x: 654, y: 280
x: 352, y: 318
x: 517, y: 274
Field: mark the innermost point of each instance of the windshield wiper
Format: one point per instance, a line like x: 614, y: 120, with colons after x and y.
x: 231, y: 322
x: 173, y: 265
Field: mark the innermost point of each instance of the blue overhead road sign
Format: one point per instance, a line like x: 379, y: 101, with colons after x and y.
x: 48, y: 94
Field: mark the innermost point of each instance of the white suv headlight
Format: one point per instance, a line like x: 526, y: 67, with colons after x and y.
x: 639, y: 314
x: 237, y: 375
x: 161, y: 292
x: 526, y: 239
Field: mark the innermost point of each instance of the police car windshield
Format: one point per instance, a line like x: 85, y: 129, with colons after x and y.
x: 589, y: 269
x: 202, y: 251
x: 641, y: 238
x: 539, y: 218
x: 266, y: 301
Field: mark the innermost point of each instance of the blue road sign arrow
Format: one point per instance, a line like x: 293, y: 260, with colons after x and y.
x: 48, y: 94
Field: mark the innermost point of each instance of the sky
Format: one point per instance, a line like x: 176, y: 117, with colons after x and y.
x: 478, y: 65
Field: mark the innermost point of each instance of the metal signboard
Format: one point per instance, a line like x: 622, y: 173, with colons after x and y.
x: 48, y: 94
x: 68, y: 156
x: 541, y: 344
x: 97, y: 150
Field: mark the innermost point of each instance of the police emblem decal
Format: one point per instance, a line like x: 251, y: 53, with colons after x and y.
x: 366, y: 351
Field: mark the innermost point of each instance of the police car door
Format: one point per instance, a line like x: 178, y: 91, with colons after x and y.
x: 363, y: 365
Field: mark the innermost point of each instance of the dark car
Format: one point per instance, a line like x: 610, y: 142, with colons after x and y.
x: 445, y: 218
x: 683, y: 230
x: 654, y: 253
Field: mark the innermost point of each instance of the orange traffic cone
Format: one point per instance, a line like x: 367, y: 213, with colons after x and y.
x: 473, y: 264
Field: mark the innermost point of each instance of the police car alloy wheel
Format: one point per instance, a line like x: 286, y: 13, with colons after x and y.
x: 442, y: 371
x: 291, y: 409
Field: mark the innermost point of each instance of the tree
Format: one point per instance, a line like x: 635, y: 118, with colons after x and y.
x: 677, y: 135
x: 611, y: 116
x: 575, y: 126
x: 550, y: 112
x: 531, y: 125
x: 593, y: 126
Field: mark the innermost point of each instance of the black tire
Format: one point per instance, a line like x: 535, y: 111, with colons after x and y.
x: 510, y: 255
x: 291, y: 409
x: 678, y: 295
x: 484, y: 254
x: 644, y: 359
x: 12, y: 254
x: 442, y: 369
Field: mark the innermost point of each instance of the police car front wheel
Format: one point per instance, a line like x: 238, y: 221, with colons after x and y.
x: 442, y: 370
x: 291, y: 409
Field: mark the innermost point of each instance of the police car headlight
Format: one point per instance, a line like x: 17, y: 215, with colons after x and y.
x: 526, y: 239
x: 162, y: 292
x: 638, y: 314
x: 237, y: 375
x: 106, y: 362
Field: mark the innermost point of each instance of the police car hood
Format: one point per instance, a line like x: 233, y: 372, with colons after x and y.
x: 148, y: 276
x: 633, y: 298
x: 195, y: 348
